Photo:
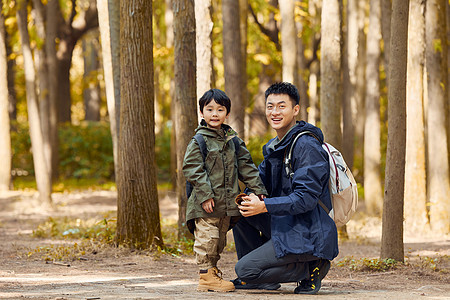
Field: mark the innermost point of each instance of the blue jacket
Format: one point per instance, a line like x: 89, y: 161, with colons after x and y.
x: 298, y: 224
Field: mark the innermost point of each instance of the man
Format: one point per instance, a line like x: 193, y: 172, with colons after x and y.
x: 287, y: 236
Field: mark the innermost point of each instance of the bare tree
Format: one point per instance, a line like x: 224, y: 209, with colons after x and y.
x: 43, y: 180
x: 415, y: 172
x: 330, y: 70
x: 108, y: 15
x: 438, y: 164
x: 185, y: 99
x: 138, y: 223
x: 5, y: 138
x: 392, y: 226
x: 232, y: 61
x: 372, y: 130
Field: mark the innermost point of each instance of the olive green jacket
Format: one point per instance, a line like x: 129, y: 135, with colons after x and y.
x: 218, y: 176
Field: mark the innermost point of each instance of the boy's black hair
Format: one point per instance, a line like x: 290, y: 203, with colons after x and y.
x: 217, y: 95
x: 284, y: 88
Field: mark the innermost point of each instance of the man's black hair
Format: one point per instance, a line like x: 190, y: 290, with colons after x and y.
x: 284, y: 88
x: 217, y: 95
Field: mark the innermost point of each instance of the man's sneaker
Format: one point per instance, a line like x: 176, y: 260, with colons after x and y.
x: 211, y: 280
x: 317, y: 270
x: 242, y: 285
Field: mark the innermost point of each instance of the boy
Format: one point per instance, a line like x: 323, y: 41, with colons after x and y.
x: 211, y: 210
x: 289, y: 237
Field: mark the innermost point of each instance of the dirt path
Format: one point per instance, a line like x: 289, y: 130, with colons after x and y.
x: 121, y: 274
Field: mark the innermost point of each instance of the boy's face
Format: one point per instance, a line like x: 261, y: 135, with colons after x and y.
x: 214, y: 114
x: 281, y: 113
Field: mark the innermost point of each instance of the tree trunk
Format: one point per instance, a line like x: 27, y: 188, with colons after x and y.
x: 5, y: 138
x: 288, y: 41
x: 372, y: 148
x: 185, y: 100
x: 203, y: 29
x: 52, y: 67
x: 302, y: 75
x: 386, y: 14
x: 438, y: 165
x: 69, y: 32
x: 43, y: 180
x: 243, y: 12
x: 313, y: 115
x: 64, y: 56
x: 108, y: 16
x: 392, y: 226
x: 415, y: 172
x: 138, y: 223
x: 258, y: 125
x: 91, y: 93
x: 232, y: 61
x: 350, y: 92
x: 330, y: 70
x: 360, y: 84
x: 12, y: 99
x: 40, y: 58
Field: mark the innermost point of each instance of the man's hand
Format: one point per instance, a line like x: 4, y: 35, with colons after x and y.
x: 252, y: 206
x: 208, y: 205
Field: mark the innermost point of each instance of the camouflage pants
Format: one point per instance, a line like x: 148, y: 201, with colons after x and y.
x: 210, y: 240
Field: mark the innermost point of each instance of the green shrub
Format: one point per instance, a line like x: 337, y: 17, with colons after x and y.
x: 85, y: 150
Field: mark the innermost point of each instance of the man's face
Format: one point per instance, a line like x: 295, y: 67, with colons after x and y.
x: 280, y: 113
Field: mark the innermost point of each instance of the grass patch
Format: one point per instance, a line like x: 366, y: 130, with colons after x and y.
x: 368, y: 264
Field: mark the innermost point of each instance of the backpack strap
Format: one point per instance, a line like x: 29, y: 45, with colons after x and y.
x: 288, y: 167
x: 202, y: 144
x: 287, y: 159
x: 237, y: 147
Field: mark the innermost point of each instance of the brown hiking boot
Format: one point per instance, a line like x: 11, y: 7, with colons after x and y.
x: 211, y: 280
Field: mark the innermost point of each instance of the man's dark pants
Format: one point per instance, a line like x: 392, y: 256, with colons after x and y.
x: 256, y: 254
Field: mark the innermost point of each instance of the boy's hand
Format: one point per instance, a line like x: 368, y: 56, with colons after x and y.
x: 208, y: 205
x: 252, y: 206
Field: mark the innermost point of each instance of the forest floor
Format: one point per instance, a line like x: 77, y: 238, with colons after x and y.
x: 116, y: 273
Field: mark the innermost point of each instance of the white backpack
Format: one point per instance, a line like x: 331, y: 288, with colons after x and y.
x: 344, y: 194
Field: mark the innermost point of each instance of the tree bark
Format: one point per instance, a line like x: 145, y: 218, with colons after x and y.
x: 42, y: 175
x: 185, y: 99
x: 5, y: 137
x: 372, y: 140
x: 415, y: 171
x: 330, y: 70
x: 392, y: 226
x: 109, y: 15
x: 232, y: 61
x: 438, y: 164
x: 138, y: 223
x: 288, y: 41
